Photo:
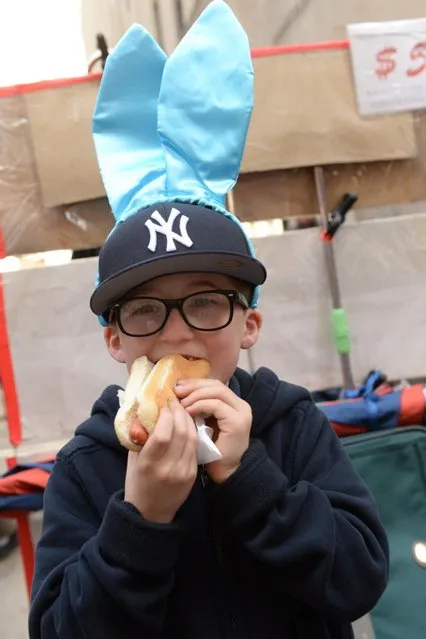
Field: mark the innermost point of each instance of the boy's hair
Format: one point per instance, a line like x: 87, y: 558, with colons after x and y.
x: 245, y: 288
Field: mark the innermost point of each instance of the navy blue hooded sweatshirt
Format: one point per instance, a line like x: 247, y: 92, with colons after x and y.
x: 289, y: 547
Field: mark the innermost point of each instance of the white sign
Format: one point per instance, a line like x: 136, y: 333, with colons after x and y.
x: 389, y: 65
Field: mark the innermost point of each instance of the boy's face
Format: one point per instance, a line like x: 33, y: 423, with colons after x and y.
x: 221, y: 348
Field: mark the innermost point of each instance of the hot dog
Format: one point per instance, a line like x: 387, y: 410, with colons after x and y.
x: 147, y: 391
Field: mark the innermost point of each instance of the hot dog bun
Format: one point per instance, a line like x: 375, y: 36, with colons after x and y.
x: 148, y: 390
x: 127, y: 413
x: 158, y: 386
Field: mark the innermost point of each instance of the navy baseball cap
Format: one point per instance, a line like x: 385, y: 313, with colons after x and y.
x: 168, y: 238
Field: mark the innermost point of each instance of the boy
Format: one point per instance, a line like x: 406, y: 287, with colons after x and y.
x: 279, y: 538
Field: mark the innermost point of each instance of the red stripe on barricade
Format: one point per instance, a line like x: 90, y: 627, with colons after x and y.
x: 6, y: 369
x: 310, y: 47
x: 19, y: 89
x: 261, y: 52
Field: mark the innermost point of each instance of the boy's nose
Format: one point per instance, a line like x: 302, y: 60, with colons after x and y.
x: 176, y: 329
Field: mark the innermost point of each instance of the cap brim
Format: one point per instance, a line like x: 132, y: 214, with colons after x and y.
x: 242, y: 267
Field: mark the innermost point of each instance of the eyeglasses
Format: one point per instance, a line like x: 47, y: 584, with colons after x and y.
x: 206, y: 311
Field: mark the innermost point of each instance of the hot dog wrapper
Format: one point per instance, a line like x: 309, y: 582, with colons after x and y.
x: 207, y: 451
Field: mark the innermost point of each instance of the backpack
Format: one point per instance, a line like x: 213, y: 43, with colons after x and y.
x: 393, y: 465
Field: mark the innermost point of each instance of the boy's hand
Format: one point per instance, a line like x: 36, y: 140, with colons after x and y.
x: 160, y: 477
x: 232, y: 414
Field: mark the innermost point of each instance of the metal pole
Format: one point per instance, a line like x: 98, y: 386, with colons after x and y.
x: 179, y: 18
x: 158, y: 23
x: 348, y: 380
x: 230, y: 205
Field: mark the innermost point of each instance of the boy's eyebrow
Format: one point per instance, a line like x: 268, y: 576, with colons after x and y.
x: 205, y: 284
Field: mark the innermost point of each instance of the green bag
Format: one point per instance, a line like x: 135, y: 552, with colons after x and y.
x: 393, y: 465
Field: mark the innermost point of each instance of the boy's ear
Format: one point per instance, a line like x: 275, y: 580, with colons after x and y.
x: 112, y: 339
x: 253, y: 324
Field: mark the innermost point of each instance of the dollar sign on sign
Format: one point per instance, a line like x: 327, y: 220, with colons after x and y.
x: 386, y: 62
x: 418, y: 51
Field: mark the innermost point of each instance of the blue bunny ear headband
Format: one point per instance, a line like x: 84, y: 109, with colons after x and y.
x: 169, y: 136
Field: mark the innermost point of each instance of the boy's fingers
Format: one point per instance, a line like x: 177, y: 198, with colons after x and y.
x: 180, y: 430
x: 192, y: 394
x: 214, y: 407
x: 132, y: 458
x: 188, y: 459
x: 174, y: 433
x: 159, y: 441
x: 192, y: 434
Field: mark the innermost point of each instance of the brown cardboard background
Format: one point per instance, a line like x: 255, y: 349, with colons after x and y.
x: 305, y: 114
x: 61, y: 131
x: 51, y: 193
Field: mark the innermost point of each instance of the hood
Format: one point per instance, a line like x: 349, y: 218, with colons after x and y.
x: 268, y: 397
x: 99, y: 427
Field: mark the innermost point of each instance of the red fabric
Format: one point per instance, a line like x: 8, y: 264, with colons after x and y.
x: 412, y: 405
x: 27, y: 481
x: 347, y: 429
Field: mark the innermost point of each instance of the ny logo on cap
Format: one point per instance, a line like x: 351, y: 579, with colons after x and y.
x: 165, y: 227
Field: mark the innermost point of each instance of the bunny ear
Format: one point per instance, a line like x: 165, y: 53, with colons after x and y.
x: 205, y: 104
x: 129, y: 152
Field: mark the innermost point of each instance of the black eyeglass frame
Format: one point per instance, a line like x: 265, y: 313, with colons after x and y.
x: 232, y: 296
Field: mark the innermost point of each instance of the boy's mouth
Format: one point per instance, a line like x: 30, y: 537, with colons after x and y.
x: 189, y: 358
